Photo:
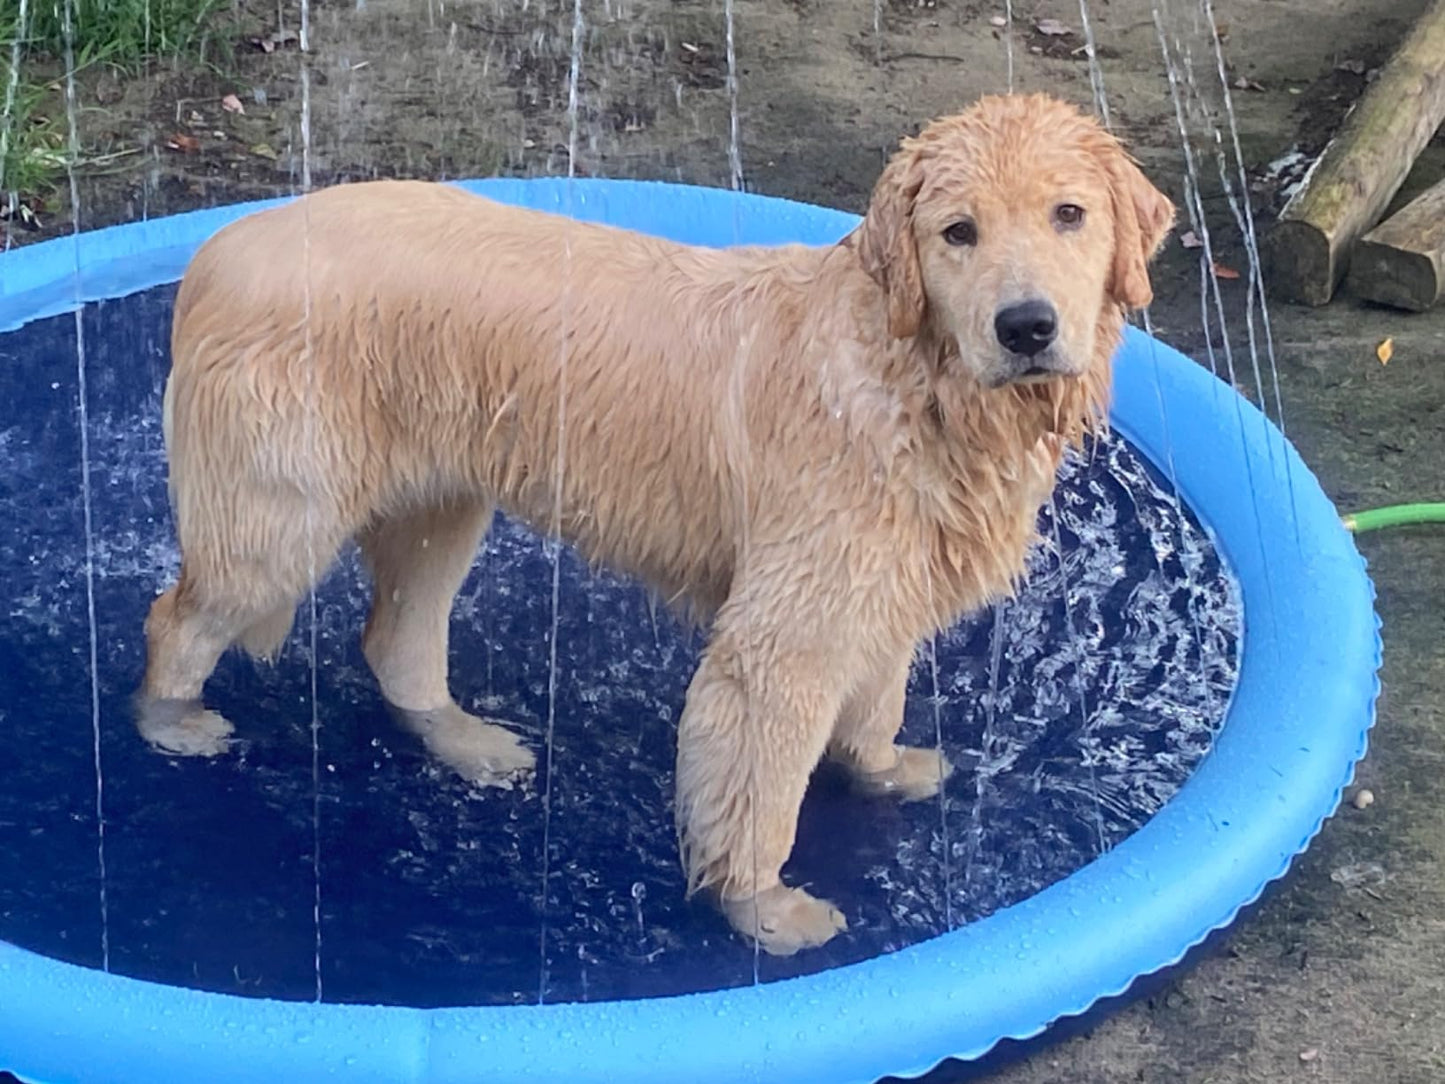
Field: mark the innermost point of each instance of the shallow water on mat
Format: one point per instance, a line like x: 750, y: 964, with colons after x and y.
x: 430, y: 887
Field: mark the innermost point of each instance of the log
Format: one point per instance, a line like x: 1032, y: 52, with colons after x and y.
x: 1360, y: 171
x: 1401, y: 262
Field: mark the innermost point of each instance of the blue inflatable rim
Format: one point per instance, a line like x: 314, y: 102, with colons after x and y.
x: 1295, y: 728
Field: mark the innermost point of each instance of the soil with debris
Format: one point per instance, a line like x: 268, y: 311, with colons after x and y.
x: 1339, y: 975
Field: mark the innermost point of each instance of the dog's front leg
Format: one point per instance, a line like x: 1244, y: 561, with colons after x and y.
x: 865, y: 738
x: 758, y: 715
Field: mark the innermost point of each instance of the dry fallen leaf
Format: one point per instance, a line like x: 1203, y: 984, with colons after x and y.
x: 1244, y: 82
x: 186, y: 144
x: 1189, y: 239
x: 232, y: 104
x: 1051, y: 28
x: 1222, y: 272
x: 264, y: 150
x: 1309, y: 1055
x: 997, y: 20
x: 269, y: 42
x: 1385, y: 351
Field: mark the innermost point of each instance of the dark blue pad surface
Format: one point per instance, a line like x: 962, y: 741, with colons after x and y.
x: 431, y: 892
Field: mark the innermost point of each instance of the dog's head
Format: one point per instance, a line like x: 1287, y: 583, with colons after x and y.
x: 1010, y: 228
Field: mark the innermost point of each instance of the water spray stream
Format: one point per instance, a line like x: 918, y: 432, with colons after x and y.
x: 1251, y: 243
x: 82, y: 399
x: 1008, y: 42
x: 984, y: 772
x: 735, y: 157
x: 1209, y: 285
x: 1096, y: 73
x: 574, y: 78
x: 938, y: 700
x: 308, y: 364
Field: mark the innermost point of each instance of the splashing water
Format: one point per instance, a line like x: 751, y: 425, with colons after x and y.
x: 458, y: 867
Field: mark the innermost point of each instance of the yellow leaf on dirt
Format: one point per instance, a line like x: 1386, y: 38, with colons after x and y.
x: 1385, y: 351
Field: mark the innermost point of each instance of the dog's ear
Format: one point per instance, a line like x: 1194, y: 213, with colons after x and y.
x: 1143, y: 216
x: 886, y: 245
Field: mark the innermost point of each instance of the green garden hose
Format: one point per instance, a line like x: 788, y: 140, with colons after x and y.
x: 1395, y: 515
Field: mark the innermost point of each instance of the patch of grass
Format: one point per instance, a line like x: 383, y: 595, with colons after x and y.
x: 32, y: 150
x: 121, y: 34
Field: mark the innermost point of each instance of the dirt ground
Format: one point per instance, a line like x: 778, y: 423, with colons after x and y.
x: 1340, y: 975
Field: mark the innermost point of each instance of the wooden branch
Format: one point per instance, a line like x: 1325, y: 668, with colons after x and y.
x: 1401, y: 262
x: 1360, y: 171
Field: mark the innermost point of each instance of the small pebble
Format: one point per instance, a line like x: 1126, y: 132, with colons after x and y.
x: 1363, y: 799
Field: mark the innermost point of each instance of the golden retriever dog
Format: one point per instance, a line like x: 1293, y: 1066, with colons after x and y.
x: 827, y: 454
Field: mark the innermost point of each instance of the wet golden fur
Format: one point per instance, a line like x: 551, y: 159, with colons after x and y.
x: 824, y: 453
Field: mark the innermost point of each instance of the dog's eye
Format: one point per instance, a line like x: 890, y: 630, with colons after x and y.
x: 1069, y: 215
x: 962, y: 232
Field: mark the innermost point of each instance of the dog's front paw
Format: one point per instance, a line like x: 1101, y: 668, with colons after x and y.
x: 784, y: 920
x: 480, y: 752
x: 182, y: 728
x: 915, y: 775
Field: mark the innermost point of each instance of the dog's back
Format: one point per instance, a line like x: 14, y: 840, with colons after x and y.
x: 391, y: 344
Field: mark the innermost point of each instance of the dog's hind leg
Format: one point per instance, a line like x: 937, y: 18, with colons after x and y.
x: 237, y: 584
x: 418, y: 560
x: 186, y: 632
x: 865, y: 739
x: 184, y: 640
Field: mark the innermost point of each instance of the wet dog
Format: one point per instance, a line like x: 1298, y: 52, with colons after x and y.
x: 825, y: 454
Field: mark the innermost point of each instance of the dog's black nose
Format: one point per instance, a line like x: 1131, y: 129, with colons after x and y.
x: 1027, y: 327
